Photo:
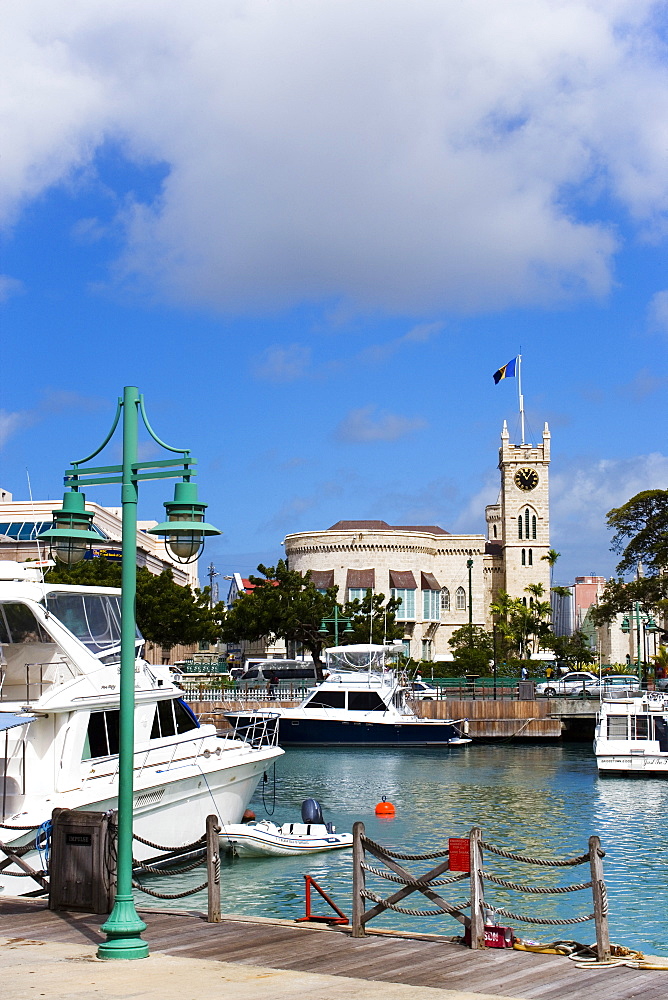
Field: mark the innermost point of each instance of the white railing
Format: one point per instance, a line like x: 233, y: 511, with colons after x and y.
x: 259, y: 729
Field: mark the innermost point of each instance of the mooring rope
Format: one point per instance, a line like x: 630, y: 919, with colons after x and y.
x: 5, y: 826
x: 538, y: 920
x: 413, y: 913
x: 168, y: 895
x: 548, y: 863
x: 537, y: 890
x: 168, y: 871
x: 168, y: 850
x: 403, y: 857
x: 418, y: 883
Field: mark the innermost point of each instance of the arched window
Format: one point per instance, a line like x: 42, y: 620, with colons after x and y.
x: 524, y: 601
x: 460, y: 599
x: 519, y: 527
x: 494, y: 529
x: 530, y: 557
x: 445, y: 599
x: 526, y: 523
x: 533, y: 526
x: 524, y: 557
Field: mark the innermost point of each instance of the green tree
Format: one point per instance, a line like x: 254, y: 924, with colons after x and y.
x: 550, y: 558
x: 167, y: 614
x: 573, y: 650
x: 472, y: 649
x: 618, y: 598
x: 284, y: 604
x: 641, y: 532
x: 379, y: 628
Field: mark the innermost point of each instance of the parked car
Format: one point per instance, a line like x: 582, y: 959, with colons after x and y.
x: 420, y: 691
x: 572, y: 683
x: 614, y: 686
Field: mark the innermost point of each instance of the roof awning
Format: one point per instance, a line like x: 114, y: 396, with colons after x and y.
x: 361, y: 579
x: 402, y: 579
x: 429, y: 582
x: 10, y: 721
x: 322, y: 579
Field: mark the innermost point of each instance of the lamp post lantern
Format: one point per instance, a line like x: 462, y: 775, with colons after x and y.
x: 641, y: 620
x: 184, y: 533
x: 336, y: 620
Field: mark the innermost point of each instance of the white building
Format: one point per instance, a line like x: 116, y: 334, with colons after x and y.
x: 428, y: 567
x: 22, y: 520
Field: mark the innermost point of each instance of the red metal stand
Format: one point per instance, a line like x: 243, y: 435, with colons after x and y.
x: 340, y: 919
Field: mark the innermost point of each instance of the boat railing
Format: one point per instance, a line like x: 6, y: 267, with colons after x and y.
x: 259, y: 729
x: 282, y: 694
x: 29, y: 682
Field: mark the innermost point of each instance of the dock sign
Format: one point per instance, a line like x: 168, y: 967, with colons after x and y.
x: 460, y: 854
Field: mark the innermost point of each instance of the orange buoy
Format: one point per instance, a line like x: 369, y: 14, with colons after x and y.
x: 385, y: 808
x: 248, y: 816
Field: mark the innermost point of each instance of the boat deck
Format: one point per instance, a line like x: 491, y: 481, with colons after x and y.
x: 381, y: 957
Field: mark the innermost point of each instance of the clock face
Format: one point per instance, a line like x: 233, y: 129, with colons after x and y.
x: 526, y: 479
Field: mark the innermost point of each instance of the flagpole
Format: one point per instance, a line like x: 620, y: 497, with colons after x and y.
x: 519, y: 393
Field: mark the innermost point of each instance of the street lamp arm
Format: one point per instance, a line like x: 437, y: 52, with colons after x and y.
x: 168, y: 447
x: 119, y: 408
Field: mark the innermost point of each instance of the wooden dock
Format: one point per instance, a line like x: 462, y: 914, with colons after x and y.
x: 424, y: 961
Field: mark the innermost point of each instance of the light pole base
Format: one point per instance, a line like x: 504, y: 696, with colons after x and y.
x: 123, y: 930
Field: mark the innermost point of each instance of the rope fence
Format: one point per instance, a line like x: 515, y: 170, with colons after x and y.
x: 209, y: 848
x: 465, y: 857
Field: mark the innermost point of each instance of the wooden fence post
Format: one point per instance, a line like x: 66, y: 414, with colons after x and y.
x: 477, y: 892
x: 600, y: 895
x: 359, y: 880
x: 213, y: 869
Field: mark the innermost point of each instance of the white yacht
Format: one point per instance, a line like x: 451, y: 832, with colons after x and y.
x: 361, y: 702
x: 59, y: 710
x: 631, y: 735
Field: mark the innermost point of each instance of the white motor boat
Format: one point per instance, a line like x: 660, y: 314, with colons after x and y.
x: 362, y: 702
x: 59, y: 711
x: 631, y: 735
x: 265, y: 839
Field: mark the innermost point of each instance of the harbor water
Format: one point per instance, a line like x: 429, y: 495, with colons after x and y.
x: 541, y: 800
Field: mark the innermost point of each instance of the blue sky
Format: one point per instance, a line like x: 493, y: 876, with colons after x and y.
x: 310, y: 233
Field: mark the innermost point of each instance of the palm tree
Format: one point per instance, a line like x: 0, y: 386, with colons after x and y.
x: 551, y: 557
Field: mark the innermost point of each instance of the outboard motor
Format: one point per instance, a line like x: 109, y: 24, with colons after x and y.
x: 312, y: 813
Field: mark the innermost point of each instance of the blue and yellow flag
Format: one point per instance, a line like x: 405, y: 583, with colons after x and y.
x: 506, y: 371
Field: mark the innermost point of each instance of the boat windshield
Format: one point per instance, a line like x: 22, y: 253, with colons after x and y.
x: 352, y: 658
x: 95, y: 619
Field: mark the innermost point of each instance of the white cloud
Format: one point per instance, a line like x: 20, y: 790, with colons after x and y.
x: 584, y: 492
x: 283, y: 364
x: 658, y: 311
x: 9, y: 287
x: 390, y: 154
x: 365, y: 425
x: 10, y: 423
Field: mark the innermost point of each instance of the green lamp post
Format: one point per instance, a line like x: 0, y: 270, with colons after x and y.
x: 184, y: 532
x: 640, y: 619
x: 336, y: 620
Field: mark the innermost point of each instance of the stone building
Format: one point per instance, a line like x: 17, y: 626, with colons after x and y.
x: 444, y: 580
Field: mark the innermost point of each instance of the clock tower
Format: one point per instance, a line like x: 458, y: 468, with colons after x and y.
x: 524, y: 513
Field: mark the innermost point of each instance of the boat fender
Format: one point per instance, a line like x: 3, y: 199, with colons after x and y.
x: 311, y: 811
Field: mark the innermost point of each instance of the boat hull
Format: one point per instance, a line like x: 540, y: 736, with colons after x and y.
x: 169, y: 815
x: 652, y: 764
x: 253, y: 842
x: 334, y: 732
